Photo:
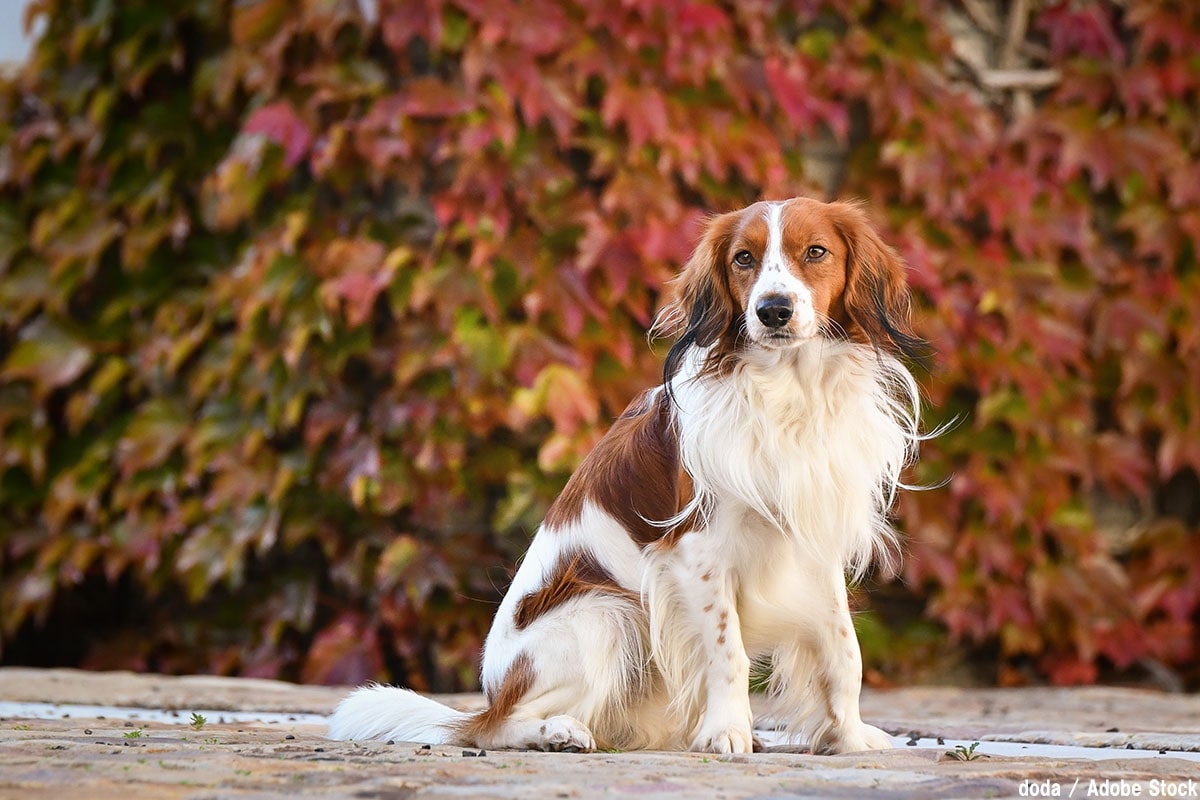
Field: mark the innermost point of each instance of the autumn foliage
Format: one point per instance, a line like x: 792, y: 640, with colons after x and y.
x: 306, y: 314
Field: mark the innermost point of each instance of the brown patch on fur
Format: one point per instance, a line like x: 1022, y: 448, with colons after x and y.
x: 685, y: 490
x: 707, y: 577
x: 809, y: 223
x: 517, y: 682
x: 572, y: 577
x: 751, y: 235
x: 633, y: 474
x: 876, y: 305
x: 705, y: 305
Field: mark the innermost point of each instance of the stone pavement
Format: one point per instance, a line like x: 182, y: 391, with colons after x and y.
x: 52, y: 746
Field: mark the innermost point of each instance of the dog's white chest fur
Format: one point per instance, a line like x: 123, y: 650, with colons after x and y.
x: 811, y: 439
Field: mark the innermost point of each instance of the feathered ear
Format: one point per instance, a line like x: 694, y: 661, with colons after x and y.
x: 877, y: 301
x: 703, y: 304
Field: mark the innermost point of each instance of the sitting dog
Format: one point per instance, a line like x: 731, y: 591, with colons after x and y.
x: 713, y: 527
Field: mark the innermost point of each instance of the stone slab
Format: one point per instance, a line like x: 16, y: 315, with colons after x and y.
x: 111, y: 758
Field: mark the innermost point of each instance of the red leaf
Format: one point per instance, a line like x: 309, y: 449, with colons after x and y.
x: 1059, y: 339
x: 537, y: 28
x: 280, y: 123
x: 1123, y: 643
x: 1069, y: 670
x: 694, y: 18
x: 356, y: 272
x: 641, y: 109
x: 787, y: 84
x: 1084, y: 29
x: 430, y: 97
x: 570, y: 401
x: 1121, y: 462
x: 382, y: 136
x: 347, y: 652
x: 401, y: 21
x: 1179, y: 448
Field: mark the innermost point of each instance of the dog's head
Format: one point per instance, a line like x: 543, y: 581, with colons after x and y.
x: 779, y: 274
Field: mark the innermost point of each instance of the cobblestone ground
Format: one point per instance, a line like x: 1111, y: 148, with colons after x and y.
x: 67, y: 734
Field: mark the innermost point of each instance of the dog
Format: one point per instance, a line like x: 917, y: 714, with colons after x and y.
x: 712, y: 529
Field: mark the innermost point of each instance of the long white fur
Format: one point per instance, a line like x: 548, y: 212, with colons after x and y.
x: 813, y: 437
x: 795, y: 455
x: 794, y: 458
x: 388, y: 712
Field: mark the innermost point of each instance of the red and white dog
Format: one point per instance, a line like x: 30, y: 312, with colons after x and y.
x: 713, y: 527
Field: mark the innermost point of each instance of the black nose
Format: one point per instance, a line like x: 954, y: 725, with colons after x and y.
x: 774, y: 310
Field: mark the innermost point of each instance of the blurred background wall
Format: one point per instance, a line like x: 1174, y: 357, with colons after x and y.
x: 308, y: 309
x: 15, y: 40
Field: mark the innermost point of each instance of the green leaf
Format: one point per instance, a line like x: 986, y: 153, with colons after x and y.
x: 48, y: 355
x: 26, y: 288
x: 158, y: 427
x: 485, y: 346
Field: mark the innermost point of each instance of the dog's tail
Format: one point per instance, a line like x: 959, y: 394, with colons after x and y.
x: 388, y: 712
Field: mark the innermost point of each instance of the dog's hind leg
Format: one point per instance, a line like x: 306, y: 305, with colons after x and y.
x: 573, y: 678
x: 511, y: 723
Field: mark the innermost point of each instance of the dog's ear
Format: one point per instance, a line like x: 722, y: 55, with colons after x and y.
x: 877, y: 301
x: 703, y: 305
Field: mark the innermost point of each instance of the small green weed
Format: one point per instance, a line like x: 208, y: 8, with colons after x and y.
x: 965, y: 753
x: 136, y: 733
x: 198, y: 721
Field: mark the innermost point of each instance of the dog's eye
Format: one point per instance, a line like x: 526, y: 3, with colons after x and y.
x: 815, y: 253
x: 743, y: 259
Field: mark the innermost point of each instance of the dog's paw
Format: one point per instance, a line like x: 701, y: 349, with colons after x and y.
x: 564, y: 734
x: 856, y: 740
x: 875, y: 739
x: 725, y: 739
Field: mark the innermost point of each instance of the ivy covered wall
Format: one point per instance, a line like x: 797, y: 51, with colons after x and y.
x: 308, y: 309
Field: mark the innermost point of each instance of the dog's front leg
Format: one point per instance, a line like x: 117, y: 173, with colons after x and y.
x: 726, y: 724
x: 707, y: 594
x: 822, y: 671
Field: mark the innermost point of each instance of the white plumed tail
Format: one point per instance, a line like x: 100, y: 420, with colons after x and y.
x: 388, y: 712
